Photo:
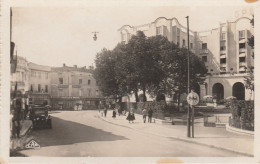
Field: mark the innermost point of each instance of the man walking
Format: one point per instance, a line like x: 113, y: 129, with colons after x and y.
x: 144, y: 112
x: 105, y: 111
x: 150, y: 115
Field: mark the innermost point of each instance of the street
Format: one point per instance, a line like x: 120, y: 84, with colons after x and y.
x: 83, y: 134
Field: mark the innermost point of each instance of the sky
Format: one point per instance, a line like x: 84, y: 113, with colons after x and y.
x: 55, y: 35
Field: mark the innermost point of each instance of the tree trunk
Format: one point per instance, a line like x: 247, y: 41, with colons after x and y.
x: 136, y: 95
x: 144, y: 96
x: 179, y: 98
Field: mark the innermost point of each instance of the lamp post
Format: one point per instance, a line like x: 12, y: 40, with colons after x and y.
x: 188, y: 113
x: 95, y: 35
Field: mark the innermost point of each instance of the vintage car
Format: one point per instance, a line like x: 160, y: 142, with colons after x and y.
x: 40, y: 116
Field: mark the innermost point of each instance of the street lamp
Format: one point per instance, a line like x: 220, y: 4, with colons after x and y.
x: 95, y: 35
x: 188, y: 113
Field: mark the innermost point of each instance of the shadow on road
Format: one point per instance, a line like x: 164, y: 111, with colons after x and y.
x: 65, y: 132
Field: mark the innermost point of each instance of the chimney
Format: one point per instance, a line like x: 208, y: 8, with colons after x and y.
x: 75, y: 66
x: 64, y: 65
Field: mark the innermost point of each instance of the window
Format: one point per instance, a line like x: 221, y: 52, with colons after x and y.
x: 183, y: 42
x: 241, y: 34
x: 39, y: 87
x: 204, y: 46
x: 39, y: 75
x: 242, y: 45
x: 191, y: 45
x: 60, y: 80
x: 242, y: 59
x: 31, y: 87
x: 222, y: 48
x: 80, y: 81
x: 178, y: 40
x: 46, y: 75
x: 223, y: 36
x: 96, y: 92
x: 46, y: 88
x: 204, y: 58
x: 89, y: 82
x: 223, y: 61
x: 32, y: 73
x: 158, y: 30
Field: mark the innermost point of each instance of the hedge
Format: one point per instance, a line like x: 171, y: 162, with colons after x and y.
x: 242, y: 114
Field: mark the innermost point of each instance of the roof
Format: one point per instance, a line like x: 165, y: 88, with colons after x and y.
x: 39, y: 67
x: 67, y: 68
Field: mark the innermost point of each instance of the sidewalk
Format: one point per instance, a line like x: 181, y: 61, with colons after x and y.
x: 207, y: 136
x: 18, y: 143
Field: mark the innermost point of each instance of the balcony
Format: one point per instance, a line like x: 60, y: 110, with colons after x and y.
x: 63, y: 86
x: 204, y: 51
x: 242, y: 40
x: 242, y: 64
x: 242, y: 50
x: 222, y: 56
x: 242, y: 54
x: 242, y: 68
x: 223, y: 64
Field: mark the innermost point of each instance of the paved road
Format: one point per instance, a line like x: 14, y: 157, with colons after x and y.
x: 83, y: 134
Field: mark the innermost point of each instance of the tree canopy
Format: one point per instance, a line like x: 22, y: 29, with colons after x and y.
x: 151, y: 64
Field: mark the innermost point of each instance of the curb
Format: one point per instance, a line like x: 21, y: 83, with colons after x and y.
x: 240, y: 131
x: 184, y: 140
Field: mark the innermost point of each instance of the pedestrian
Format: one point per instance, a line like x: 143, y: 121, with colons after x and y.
x: 131, y: 116
x: 105, y: 111
x: 144, y: 112
x: 150, y: 115
x: 114, y: 113
x: 17, y: 116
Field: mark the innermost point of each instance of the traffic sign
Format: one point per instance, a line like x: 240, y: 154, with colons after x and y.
x: 193, y: 98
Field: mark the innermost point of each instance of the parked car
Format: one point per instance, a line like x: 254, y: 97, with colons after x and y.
x: 40, y: 117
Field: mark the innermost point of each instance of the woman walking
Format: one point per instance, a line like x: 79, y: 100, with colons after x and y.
x: 131, y: 116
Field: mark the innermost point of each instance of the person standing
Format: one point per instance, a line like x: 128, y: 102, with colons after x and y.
x: 17, y: 116
x: 131, y: 116
x: 144, y: 112
x: 114, y: 113
x: 150, y: 115
x: 105, y: 111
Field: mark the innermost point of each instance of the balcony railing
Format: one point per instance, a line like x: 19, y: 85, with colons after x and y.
x: 242, y: 64
x: 204, y: 51
x: 222, y: 56
x: 242, y: 54
x: 223, y: 64
x: 241, y: 50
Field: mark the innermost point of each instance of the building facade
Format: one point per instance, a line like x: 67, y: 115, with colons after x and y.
x: 224, y: 51
x: 74, y: 87
x: 64, y: 87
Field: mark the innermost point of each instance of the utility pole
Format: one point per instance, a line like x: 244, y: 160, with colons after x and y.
x: 188, y: 113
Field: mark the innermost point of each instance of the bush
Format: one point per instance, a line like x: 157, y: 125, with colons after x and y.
x: 242, y: 114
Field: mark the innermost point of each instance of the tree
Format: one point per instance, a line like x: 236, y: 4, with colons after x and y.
x: 105, y: 73
x: 249, y: 80
x: 143, y: 69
